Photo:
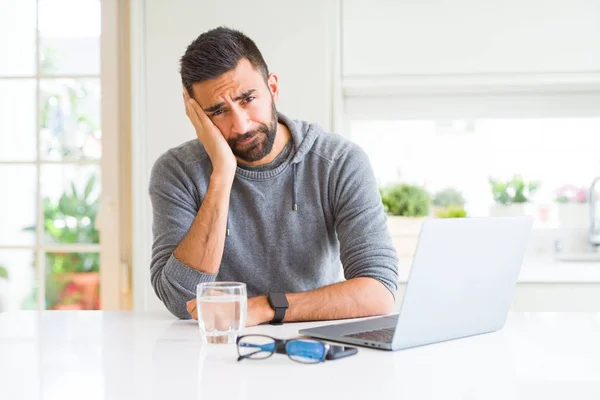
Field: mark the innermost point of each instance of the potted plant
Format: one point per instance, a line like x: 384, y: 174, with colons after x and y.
x: 511, y: 196
x: 72, y: 220
x: 407, y: 207
x: 573, y: 207
x: 449, y: 203
x: 81, y: 269
x: 3, y: 283
x: 451, y: 212
x: 70, y: 298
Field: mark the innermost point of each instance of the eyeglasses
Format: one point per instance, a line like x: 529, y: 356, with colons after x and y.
x: 259, y: 347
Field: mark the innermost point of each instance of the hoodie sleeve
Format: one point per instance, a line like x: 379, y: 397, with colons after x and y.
x: 366, y: 248
x: 174, y: 209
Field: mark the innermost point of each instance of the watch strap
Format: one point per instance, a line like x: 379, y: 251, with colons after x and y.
x: 279, y: 306
x: 279, y: 315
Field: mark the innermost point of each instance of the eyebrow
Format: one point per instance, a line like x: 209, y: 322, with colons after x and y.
x: 217, y: 106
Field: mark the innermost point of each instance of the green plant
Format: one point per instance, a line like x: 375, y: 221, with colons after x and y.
x: 448, y: 197
x: 405, y: 200
x: 69, y: 220
x: 72, y: 220
x: 451, y: 212
x: 515, y: 190
x: 3, y: 272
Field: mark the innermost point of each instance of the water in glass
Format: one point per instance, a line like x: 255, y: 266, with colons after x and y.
x: 222, y: 310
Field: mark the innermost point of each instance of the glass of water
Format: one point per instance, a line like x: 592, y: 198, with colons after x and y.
x: 222, y: 310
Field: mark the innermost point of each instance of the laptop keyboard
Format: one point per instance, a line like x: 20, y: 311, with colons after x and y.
x: 378, y: 335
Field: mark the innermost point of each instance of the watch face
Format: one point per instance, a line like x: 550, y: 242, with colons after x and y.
x: 278, y: 300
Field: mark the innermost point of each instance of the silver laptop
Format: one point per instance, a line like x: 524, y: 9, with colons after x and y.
x: 461, y: 283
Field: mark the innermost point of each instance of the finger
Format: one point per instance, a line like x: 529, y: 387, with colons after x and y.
x: 193, y: 115
x: 187, y: 108
x: 195, y: 107
x: 199, y: 112
x: 186, y: 100
x: 194, y: 112
x: 186, y: 104
x: 186, y: 94
x: 192, y: 308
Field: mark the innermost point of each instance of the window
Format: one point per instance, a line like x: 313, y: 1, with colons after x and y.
x: 464, y: 154
x: 460, y: 142
x: 50, y: 154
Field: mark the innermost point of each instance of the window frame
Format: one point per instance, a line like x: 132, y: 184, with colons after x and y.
x: 113, y: 77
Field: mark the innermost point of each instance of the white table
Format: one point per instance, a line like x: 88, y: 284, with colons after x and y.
x: 124, y: 355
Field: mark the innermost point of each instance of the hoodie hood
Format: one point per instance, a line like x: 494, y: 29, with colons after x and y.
x: 304, y: 135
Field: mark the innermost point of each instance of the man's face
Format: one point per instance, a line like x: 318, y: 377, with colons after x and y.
x: 242, y: 106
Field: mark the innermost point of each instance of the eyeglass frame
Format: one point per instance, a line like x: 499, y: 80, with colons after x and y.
x: 280, y: 348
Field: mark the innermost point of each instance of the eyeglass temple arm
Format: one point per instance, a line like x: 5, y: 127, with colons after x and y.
x: 261, y: 347
x: 240, y: 358
x: 279, y: 346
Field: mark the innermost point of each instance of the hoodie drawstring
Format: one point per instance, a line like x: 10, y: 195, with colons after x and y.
x: 295, y: 202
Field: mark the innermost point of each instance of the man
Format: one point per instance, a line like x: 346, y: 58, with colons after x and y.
x: 266, y: 200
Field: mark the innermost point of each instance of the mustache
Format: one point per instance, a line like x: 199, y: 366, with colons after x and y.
x: 248, y: 135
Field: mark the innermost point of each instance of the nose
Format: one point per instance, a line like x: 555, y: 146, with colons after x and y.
x: 240, y: 122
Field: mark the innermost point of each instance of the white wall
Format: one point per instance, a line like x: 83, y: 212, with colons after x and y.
x: 445, y: 37
x: 296, y: 41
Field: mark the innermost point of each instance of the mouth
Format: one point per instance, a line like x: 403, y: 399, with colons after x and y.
x: 247, y: 141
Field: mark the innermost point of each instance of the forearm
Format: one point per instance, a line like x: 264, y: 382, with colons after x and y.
x: 354, y: 298
x: 202, y: 247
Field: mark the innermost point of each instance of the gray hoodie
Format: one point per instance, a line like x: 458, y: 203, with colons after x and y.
x: 289, y: 227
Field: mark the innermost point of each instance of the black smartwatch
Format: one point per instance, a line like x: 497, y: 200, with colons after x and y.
x: 279, y: 303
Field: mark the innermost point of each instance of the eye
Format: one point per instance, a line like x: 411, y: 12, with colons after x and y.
x: 249, y: 99
x: 218, y: 112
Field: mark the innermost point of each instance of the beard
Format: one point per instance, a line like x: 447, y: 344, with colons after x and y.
x: 261, y: 146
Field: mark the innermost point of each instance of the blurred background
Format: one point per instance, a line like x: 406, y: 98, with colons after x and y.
x: 465, y: 108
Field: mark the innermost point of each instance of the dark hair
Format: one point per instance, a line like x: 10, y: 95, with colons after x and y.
x: 217, y: 51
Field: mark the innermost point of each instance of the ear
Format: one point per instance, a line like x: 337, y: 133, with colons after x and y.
x: 273, y: 84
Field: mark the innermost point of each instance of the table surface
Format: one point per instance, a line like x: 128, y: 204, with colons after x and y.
x: 127, y: 355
